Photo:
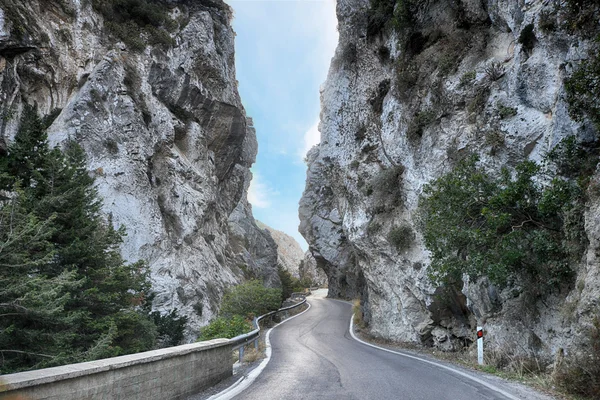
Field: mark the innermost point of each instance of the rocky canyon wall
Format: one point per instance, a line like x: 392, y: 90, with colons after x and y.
x: 161, y: 121
x: 400, y: 108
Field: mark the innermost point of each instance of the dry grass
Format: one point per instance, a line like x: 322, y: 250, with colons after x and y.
x: 252, y: 354
x: 358, y: 314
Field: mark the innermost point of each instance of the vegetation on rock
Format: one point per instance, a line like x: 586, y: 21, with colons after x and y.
x: 239, y: 306
x: 66, y: 294
x: 137, y: 22
x: 290, y: 284
x: 526, y: 223
x: 583, y: 89
x: 225, y: 327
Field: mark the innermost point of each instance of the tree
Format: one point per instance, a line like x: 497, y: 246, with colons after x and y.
x: 250, y: 299
x: 504, y: 226
x: 59, y: 237
x: 28, y: 299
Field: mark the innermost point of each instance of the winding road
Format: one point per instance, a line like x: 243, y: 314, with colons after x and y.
x: 315, y: 357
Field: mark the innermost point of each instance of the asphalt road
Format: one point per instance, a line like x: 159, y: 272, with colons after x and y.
x: 314, y: 357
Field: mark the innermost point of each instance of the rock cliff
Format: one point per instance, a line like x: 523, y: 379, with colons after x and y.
x: 400, y: 107
x: 148, y: 89
x: 289, y: 252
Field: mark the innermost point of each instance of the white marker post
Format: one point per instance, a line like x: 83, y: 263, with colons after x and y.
x: 480, y: 345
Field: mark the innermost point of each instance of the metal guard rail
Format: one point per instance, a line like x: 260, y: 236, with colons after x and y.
x: 240, y: 341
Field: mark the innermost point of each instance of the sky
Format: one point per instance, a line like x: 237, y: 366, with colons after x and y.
x: 283, y: 50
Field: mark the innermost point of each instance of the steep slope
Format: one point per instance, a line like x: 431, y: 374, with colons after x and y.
x: 399, y: 109
x: 162, y: 123
x: 289, y: 252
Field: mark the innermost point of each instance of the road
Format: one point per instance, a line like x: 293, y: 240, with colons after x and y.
x: 314, y: 357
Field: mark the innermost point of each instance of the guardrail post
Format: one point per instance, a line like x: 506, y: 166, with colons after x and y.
x: 241, y: 353
x: 256, y: 344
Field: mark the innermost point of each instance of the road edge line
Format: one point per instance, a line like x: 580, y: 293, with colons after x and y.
x: 242, y: 384
x: 463, y: 374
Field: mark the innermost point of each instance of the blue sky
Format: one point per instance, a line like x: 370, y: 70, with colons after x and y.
x: 283, y: 51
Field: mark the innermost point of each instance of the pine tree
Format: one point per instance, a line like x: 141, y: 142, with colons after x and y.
x: 94, y: 296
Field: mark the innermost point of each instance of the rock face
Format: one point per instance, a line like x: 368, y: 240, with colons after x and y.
x: 310, y: 271
x: 388, y: 126
x: 289, y: 252
x: 165, y: 132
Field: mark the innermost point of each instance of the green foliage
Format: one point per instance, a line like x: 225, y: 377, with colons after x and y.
x: 401, y: 237
x: 386, y: 187
x: 419, y: 122
x: 467, y: 78
x: 169, y: 328
x: 290, y: 284
x: 504, y: 226
x: 250, y: 299
x: 67, y: 294
x: 389, y: 14
x: 227, y: 328
x: 527, y: 37
x: 505, y: 112
x: 582, y: 88
x: 133, y: 20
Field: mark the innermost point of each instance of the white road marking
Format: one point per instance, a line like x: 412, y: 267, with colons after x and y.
x: 481, y: 382
x: 245, y: 381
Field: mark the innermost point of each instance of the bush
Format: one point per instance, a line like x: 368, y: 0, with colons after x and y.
x: 170, y: 328
x: 130, y: 20
x: 582, y: 89
x: 502, y: 226
x: 289, y: 284
x: 467, y: 78
x: 401, y: 237
x: 506, y: 112
x: 250, y: 299
x: 225, y: 327
x: 419, y: 122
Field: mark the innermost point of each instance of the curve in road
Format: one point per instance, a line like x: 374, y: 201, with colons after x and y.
x: 315, y: 357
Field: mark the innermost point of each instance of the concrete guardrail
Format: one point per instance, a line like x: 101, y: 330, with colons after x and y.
x: 172, y: 373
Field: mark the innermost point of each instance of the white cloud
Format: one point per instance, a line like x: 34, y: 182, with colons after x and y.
x: 311, y: 138
x: 260, y: 193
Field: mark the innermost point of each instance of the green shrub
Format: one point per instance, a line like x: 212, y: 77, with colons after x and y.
x: 290, y: 284
x: 547, y: 21
x: 131, y: 21
x: 503, y: 226
x: 169, y: 327
x: 225, y: 327
x: 506, y: 112
x: 390, y: 14
x: 419, y: 122
x: 401, y: 237
x: 250, y: 298
x: 467, y: 78
x: 582, y: 89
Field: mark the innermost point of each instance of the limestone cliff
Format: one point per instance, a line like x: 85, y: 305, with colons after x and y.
x: 153, y: 100
x: 398, y: 110
x: 289, y: 252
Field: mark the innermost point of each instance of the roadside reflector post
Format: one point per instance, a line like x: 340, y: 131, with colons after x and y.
x: 480, y: 345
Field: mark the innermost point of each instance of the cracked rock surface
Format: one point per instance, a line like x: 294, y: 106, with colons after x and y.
x: 166, y: 135
x: 387, y: 131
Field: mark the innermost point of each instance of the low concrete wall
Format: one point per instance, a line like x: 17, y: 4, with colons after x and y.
x: 165, y: 374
